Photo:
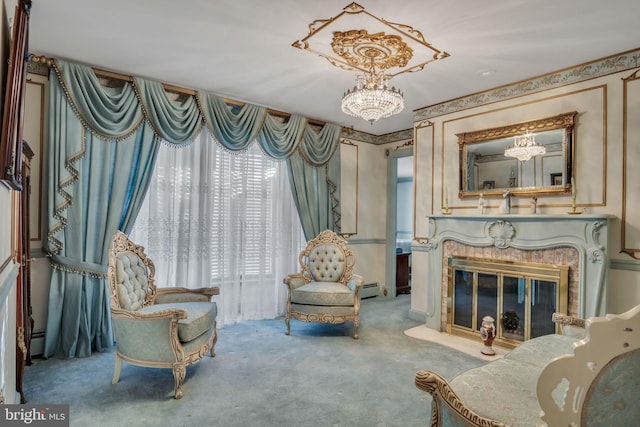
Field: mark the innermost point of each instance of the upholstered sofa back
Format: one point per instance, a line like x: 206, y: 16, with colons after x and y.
x: 327, y: 263
x: 132, y: 281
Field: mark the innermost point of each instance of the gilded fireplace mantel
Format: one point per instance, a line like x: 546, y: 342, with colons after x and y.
x: 588, y: 234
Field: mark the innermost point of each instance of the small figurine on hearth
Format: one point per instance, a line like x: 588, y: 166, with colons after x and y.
x: 488, y: 334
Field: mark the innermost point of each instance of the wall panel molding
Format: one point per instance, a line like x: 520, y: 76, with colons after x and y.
x: 630, y: 224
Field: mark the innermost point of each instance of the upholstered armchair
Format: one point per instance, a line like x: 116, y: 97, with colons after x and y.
x: 157, y: 328
x: 325, y: 290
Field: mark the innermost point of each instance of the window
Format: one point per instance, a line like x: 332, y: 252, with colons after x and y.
x: 214, y: 218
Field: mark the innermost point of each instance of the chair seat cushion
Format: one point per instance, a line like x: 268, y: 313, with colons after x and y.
x: 323, y: 293
x: 200, y: 317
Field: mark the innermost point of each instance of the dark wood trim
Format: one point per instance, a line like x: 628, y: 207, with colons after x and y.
x: 13, y: 114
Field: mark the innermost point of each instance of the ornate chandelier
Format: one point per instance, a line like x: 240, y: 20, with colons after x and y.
x: 377, y: 55
x: 371, y: 98
x: 524, y: 147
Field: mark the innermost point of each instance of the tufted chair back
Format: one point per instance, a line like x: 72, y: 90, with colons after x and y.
x: 132, y: 281
x: 327, y: 258
x: 132, y: 286
x: 327, y: 263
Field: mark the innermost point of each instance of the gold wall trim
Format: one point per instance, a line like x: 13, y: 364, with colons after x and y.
x: 417, y: 126
x: 603, y: 154
x: 632, y: 252
x: 39, y: 162
x: 347, y: 234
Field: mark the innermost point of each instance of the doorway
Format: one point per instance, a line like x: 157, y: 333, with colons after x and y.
x: 400, y: 195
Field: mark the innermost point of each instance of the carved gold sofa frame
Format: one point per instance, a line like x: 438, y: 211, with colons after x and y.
x: 563, y: 380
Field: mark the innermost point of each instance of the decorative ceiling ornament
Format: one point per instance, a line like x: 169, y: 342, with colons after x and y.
x: 378, y: 53
x: 524, y: 147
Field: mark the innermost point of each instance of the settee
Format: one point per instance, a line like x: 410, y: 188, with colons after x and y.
x: 552, y: 380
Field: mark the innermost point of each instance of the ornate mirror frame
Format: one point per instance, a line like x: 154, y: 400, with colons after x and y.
x: 469, y: 140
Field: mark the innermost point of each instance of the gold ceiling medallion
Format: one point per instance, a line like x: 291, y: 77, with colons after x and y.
x: 417, y: 51
x: 379, y: 50
x: 363, y: 50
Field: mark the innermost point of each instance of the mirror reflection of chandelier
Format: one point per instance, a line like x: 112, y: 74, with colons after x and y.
x: 524, y: 147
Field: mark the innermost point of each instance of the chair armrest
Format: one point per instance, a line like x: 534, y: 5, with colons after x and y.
x: 169, y: 313
x: 563, y: 319
x: 179, y: 294
x: 356, y: 283
x: 570, y: 325
x: 152, y: 337
x: 294, y: 281
x: 445, y: 399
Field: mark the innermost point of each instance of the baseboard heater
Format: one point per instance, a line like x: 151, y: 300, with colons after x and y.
x: 369, y: 290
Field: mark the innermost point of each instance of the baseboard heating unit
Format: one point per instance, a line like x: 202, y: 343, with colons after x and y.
x: 369, y: 290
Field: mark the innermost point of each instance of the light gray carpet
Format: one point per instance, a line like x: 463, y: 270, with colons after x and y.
x: 318, y: 376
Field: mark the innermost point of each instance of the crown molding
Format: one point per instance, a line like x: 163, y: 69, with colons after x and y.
x: 590, y: 70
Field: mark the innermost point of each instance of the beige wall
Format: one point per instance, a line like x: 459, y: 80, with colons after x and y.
x: 599, y: 154
x: 368, y: 244
x: 598, y: 172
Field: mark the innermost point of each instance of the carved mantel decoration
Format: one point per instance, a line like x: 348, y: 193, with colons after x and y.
x: 501, y: 232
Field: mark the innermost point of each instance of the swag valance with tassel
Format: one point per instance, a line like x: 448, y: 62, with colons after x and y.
x: 102, y: 146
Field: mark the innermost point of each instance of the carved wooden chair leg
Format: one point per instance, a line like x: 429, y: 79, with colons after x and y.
x: 179, y: 372
x: 214, y: 340
x: 287, y: 320
x: 356, y: 324
x: 116, y: 370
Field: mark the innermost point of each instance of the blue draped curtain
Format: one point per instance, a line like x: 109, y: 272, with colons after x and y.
x: 314, y: 175
x: 103, y: 143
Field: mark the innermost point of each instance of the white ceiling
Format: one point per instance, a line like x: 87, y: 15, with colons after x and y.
x: 241, y: 49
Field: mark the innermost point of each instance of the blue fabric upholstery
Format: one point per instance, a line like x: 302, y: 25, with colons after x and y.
x: 326, y: 290
x: 200, y: 316
x: 506, y: 389
x: 612, y: 401
x: 159, y: 328
x: 323, y: 293
x: 132, y: 280
x: 590, y: 379
x: 327, y: 263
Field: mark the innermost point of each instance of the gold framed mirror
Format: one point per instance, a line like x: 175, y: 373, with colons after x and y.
x: 486, y: 170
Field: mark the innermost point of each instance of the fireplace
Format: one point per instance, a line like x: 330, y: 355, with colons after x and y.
x: 520, y: 296
x: 578, y: 243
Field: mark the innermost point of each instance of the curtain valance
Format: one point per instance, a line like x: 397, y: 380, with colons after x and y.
x: 117, y: 112
x: 102, y: 147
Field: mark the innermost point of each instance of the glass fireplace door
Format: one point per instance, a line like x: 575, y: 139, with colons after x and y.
x: 521, y: 298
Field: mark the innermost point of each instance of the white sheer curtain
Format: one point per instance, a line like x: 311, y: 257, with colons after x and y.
x: 213, y: 218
